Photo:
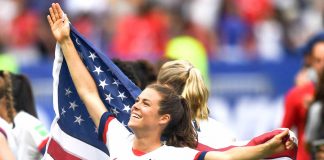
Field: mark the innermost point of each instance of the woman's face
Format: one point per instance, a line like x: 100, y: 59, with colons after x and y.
x: 144, y: 113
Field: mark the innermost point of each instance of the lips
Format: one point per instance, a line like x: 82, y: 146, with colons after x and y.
x: 137, y: 116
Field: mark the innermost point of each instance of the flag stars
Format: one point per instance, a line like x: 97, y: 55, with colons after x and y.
x: 78, y: 120
x: 103, y: 84
x: 121, y: 95
x: 126, y: 108
x: 68, y: 92
x: 108, y: 97
x: 92, y: 56
x: 63, y: 111
x: 114, y: 110
x: 73, y: 105
x: 116, y: 82
x: 98, y: 70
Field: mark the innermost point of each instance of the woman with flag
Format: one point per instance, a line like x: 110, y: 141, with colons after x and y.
x: 158, y: 112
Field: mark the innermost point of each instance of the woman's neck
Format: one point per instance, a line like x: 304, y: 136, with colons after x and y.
x: 146, y: 143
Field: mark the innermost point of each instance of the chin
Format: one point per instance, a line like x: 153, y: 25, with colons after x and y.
x: 131, y: 124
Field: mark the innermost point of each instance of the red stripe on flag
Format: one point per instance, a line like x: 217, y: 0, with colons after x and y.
x: 57, y: 152
x: 42, y: 145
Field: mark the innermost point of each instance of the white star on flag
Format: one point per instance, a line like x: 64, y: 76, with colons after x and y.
x: 126, y: 108
x: 68, y: 92
x: 108, y: 97
x: 73, y: 105
x: 63, y: 111
x: 103, y: 84
x: 116, y: 82
x: 92, y: 56
x: 98, y: 70
x: 115, y: 111
x: 78, y: 120
x: 121, y: 95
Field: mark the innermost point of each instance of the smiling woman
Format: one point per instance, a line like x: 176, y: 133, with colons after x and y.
x: 158, y: 113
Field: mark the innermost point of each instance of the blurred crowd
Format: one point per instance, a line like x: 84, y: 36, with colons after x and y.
x: 235, y: 31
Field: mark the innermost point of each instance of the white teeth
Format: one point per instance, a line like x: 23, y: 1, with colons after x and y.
x: 136, y: 116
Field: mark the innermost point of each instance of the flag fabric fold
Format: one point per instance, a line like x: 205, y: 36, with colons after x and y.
x: 73, y: 133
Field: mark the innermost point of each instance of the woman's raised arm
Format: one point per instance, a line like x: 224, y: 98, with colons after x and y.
x: 81, y: 77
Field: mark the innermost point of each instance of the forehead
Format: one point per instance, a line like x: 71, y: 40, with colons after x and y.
x: 151, y: 95
x: 318, y: 50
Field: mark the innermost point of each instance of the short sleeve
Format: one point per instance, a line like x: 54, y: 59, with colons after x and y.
x: 112, y: 132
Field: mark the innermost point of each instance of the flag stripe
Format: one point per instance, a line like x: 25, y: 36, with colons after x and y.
x: 75, y: 146
x: 42, y: 146
x: 57, y: 152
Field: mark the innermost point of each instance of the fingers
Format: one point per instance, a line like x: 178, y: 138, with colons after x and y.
x: 50, y: 20
x: 59, y: 10
x: 283, y: 134
x: 289, y: 145
x: 52, y: 14
x: 55, y: 10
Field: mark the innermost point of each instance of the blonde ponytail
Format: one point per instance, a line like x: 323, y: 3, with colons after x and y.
x: 187, y: 81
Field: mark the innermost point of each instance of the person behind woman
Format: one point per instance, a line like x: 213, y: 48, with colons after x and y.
x: 314, y: 134
x: 158, y: 112
x: 30, y: 134
x: 188, y: 82
x: 7, y: 142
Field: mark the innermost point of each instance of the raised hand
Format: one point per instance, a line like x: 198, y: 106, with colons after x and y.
x: 59, y: 23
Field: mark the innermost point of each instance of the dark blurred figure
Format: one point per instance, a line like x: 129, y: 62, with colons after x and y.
x: 299, y: 98
x: 315, y: 123
x: 23, y: 94
x: 127, y: 68
x: 141, y: 72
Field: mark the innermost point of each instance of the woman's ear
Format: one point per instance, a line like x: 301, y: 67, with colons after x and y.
x: 165, y: 119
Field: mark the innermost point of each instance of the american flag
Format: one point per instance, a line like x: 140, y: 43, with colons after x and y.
x: 73, y: 133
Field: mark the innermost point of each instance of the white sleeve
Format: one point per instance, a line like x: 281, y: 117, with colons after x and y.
x: 113, y: 133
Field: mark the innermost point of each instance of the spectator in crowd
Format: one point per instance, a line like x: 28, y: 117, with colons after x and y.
x: 298, y: 98
x: 315, y: 123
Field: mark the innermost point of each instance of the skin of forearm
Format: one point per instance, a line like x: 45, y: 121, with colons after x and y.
x: 240, y: 153
x: 84, y: 83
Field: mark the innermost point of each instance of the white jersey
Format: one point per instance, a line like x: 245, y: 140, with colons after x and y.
x: 214, y: 134
x: 7, y: 131
x: 120, y: 141
x: 31, y: 136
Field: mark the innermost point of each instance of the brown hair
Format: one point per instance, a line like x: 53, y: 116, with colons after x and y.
x: 187, y: 81
x: 23, y: 94
x: 7, y: 88
x: 179, y: 131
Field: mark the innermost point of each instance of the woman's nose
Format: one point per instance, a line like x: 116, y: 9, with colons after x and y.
x: 135, y: 107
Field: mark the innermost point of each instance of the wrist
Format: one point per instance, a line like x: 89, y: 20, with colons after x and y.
x: 66, y: 41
